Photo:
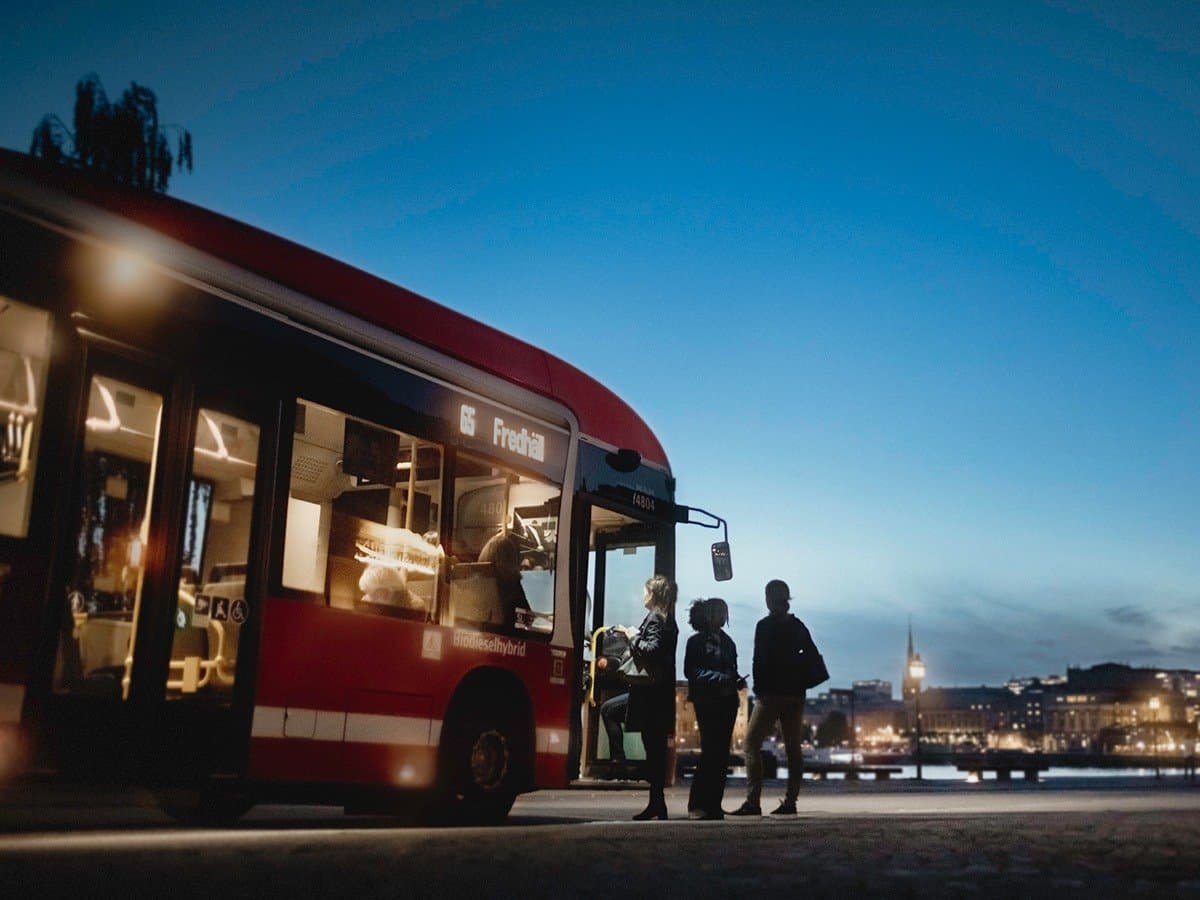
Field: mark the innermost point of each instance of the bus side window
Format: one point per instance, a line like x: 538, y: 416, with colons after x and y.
x: 363, y: 515
x: 24, y: 355
x: 505, y: 548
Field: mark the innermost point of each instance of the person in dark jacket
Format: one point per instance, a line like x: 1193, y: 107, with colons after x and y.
x: 710, y: 664
x: 503, y: 552
x: 651, y: 707
x: 779, y: 641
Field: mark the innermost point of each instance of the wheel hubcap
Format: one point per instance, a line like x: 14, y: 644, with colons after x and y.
x: 489, y: 760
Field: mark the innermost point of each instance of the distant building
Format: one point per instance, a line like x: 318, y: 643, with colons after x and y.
x: 1102, y: 708
x: 877, y: 719
x: 964, y: 715
x: 1026, y: 712
x: 687, y: 730
x: 1105, y: 708
x: 1110, y: 708
x: 872, y: 692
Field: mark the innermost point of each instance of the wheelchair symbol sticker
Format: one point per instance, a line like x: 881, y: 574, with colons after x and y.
x: 238, y: 612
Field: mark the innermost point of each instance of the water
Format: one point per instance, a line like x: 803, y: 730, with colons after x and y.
x: 950, y: 773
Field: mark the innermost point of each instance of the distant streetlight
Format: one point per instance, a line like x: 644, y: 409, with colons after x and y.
x: 916, y: 671
x: 1154, y: 704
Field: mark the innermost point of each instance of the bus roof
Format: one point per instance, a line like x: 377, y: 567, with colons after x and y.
x: 601, y: 413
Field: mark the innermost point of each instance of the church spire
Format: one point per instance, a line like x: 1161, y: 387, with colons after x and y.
x: 908, y: 685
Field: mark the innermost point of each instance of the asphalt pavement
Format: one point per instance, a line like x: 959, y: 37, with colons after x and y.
x: 1101, y: 838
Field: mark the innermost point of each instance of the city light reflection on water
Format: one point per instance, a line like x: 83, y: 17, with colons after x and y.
x: 950, y: 773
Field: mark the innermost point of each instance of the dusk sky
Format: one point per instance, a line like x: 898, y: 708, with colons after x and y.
x: 910, y: 294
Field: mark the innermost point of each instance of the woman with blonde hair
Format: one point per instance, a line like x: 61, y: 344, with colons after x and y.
x: 652, y: 706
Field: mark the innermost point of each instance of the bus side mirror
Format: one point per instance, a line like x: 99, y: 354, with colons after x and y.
x: 722, y: 561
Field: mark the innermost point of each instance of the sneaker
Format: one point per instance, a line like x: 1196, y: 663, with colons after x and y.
x: 785, y: 808
x: 747, y: 809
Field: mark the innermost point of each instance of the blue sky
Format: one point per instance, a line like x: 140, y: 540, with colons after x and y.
x: 911, y: 294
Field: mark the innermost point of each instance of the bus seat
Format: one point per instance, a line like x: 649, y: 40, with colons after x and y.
x: 232, y: 588
x: 228, y: 572
x: 474, y: 595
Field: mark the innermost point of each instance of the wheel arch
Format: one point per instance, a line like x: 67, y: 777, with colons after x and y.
x: 494, y: 688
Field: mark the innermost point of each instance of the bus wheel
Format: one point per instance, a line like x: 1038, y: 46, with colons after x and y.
x: 205, y: 807
x: 481, y: 763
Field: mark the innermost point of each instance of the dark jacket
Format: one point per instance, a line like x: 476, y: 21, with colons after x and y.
x: 653, y: 649
x: 710, y: 665
x: 779, y: 641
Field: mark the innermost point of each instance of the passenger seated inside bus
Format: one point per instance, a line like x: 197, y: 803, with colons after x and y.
x: 505, y: 556
x: 385, y: 590
x: 504, y: 544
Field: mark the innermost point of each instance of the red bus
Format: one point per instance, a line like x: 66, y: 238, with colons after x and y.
x: 273, y: 528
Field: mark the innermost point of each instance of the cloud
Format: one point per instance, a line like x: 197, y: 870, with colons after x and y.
x: 1130, y: 615
x: 973, y: 632
x: 1191, y: 648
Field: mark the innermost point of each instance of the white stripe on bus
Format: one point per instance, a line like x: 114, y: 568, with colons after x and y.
x: 364, y: 728
x: 369, y: 728
x: 330, y: 726
x: 268, y: 721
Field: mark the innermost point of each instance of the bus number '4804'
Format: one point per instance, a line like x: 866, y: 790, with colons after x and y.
x: 643, y: 501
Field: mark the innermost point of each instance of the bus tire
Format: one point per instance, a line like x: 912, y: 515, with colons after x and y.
x: 203, y: 807
x: 484, y: 761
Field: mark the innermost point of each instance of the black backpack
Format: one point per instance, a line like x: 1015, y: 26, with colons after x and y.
x: 613, y: 646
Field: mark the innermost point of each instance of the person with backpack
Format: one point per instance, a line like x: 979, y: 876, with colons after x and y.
x: 785, y: 659
x: 652, y: 706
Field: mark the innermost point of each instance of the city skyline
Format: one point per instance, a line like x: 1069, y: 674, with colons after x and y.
x: 1044, y: 676
x: 908, y: 293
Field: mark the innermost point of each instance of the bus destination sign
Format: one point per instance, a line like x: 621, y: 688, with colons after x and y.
x: 507, y: 434
x: 527, y: 443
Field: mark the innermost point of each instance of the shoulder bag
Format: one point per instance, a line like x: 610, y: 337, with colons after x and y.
x: 633, y: 674
x: 812, y: 667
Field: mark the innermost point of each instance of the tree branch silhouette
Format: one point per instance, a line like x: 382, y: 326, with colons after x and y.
x: 123, y: 140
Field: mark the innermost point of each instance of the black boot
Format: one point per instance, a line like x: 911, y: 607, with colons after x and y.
x: 655, y: 809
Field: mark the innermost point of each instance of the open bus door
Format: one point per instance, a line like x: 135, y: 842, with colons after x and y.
x: 147, y: 647
x: 623, y: 553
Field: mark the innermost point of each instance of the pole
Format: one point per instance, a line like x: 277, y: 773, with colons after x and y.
x: 853, y: 734
x: 917, y: 700
x: 1154, y: 737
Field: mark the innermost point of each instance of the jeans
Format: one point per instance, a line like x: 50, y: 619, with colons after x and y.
x: 715, y: 718
x: 789, y: 712
x: 612, y: 714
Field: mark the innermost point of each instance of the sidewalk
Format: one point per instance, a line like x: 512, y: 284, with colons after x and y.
x: 579, y: 843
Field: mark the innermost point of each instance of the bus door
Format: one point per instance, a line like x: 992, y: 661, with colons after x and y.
x: 624, y: 553
x: 157, y: 580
